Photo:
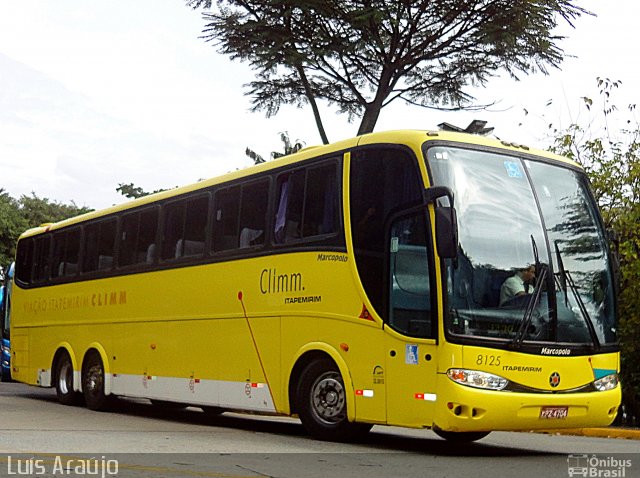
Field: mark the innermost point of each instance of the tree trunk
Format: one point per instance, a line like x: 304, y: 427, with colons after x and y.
x: 312, y: 102
x: 372, y: 110
x: 369, y: 119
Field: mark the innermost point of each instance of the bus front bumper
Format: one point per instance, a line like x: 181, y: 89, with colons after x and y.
x: 462, y: 408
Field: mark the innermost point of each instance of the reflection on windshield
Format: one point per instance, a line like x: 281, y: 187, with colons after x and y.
x: 579, y: 252
x: 510, y: 214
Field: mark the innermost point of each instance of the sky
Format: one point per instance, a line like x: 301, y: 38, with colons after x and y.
x: 94, y: 94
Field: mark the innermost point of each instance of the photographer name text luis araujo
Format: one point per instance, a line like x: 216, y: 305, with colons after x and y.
x: 62, y: 466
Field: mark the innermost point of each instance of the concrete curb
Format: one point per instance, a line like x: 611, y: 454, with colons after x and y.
x: 611, y: 432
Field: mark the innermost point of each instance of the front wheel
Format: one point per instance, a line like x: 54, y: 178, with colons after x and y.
x: 93, y: 383
x: 322, y: 403
x: 460, y: 437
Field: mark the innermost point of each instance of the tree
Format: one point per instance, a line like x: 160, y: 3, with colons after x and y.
x: 607, y: 144
x: 361, y: 55
x: 16, y: 216
x: 37, y: 211
x: 288, y: 148
x: 131, y: 191
x: 12, y: 224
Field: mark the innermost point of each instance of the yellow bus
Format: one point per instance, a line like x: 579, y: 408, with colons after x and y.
x: 421, y: 279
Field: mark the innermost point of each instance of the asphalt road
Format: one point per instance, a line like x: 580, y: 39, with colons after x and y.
x: 39, y: 437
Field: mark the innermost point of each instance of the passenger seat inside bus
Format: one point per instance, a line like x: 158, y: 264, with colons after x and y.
x: 105, y: 262
x: 249, y: 237
x: 191, y: 248
x: 67, y: 269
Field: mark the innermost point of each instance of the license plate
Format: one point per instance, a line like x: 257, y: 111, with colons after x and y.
x: 554, y: 413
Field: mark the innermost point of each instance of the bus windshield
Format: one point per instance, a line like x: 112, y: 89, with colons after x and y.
x: 532, y: 262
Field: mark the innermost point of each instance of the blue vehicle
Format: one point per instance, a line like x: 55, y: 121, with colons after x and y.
x: 5, y: 314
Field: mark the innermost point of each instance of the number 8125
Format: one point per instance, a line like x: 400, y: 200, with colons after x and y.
x: 490, y: 360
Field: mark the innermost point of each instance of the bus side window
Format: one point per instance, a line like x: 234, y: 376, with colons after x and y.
x: 106, y: 244
x: 99, y: 240
x: 320, y: 202
x: 409, y: 281
x: 138, y: 237
x: 146, y: 245
x: 66, y: 252
x: 240, y: 216
x: 288, y: 221
x: 24, y: 260
x: 128, y: 237
x: 90, y: 257
x: 42, y: 258
x: 306, y: 204
x: 195, y: 227
x: 173, y: 218
x: 58, y: 254
x: 227, y: 212
x: 185, y: 225
x: 253, y: 213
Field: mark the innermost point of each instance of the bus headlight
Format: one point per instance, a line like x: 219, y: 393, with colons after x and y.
x: 608, y: 382
x: 477, y: 379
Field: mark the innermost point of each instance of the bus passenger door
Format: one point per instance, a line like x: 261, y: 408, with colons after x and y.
x: 410, y: 325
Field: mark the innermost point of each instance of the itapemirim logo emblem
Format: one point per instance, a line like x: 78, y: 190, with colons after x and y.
x: 597, y: 467
x: 554, y: 379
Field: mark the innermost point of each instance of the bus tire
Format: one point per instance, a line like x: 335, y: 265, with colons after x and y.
x: 93, y: 383
x: 322, y: 403
x: 64, y: 381
x: 460, y: 437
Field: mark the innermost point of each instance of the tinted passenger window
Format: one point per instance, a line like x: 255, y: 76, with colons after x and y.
x: 240, y: 216
x: 66, y: 253
x: 41, y: 258
x: 99, y: 245
x: 138, y: 238
x: 24, y: 260
x: 307, y: 204
x: 409, y: 281
x: 185, y: 225
x: 253, y: 214
x: 227, y: 213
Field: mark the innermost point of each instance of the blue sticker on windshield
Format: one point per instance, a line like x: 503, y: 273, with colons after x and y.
x: 513, y: 169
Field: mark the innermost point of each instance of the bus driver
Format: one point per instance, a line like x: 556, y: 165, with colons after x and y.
x: 517, y: 284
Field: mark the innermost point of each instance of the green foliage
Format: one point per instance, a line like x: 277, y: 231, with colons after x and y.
x: 12, y: 224
x: 288, y: 148
x: 131, y: 191
x: 361, y: 55
x: 612, y: 160
x: 18, y: 215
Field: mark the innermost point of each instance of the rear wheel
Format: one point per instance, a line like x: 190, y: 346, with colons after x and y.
x: 64, y: 381
x: 460, y: 437
x: 93, y: 383
x: 322, y: 403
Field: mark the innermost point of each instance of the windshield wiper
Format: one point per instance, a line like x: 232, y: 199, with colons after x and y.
x: 566, y: 279
x: 562, y: 273
x: 541, y: 274
x: 531, y: 305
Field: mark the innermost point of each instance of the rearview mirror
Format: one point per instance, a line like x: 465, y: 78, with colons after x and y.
x: 446, y: 222
x: 447, y: 232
